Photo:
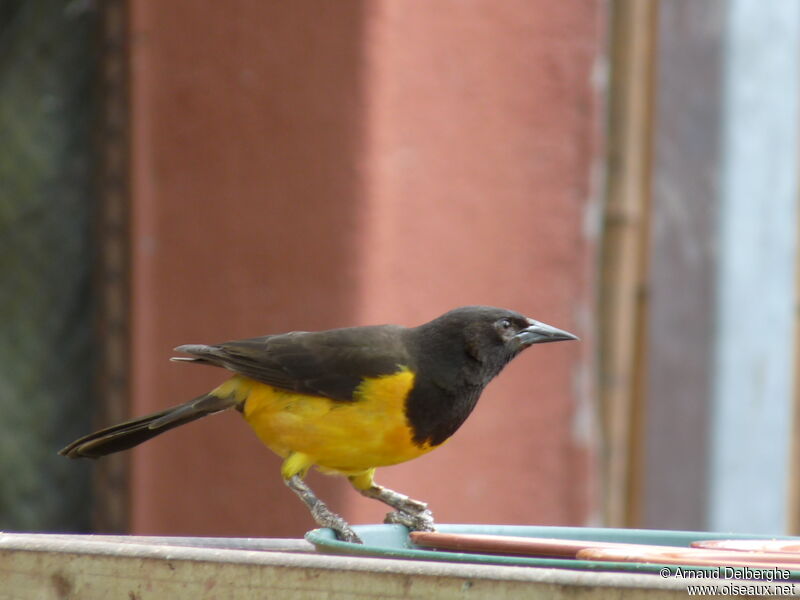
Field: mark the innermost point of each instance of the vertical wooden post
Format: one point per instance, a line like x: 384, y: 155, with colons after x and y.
x: 112, y: 265
x: 793, y: 502
x: 623, y: 294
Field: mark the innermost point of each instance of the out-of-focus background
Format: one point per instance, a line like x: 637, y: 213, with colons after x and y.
x: 180, y: 172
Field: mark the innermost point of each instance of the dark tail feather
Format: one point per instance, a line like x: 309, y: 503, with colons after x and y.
x: 132, y: 433
x: 201, y: 354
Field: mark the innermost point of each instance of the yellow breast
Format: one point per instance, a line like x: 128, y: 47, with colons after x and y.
x: 342, y: 436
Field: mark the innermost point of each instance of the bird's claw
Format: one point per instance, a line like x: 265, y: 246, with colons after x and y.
x: 419, y: 521
x: 346, y: 534
x: 326, y: 518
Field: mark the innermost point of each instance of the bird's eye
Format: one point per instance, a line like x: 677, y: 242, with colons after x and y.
x: 505, y: 324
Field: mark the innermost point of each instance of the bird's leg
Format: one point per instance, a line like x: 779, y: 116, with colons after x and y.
x: 411, y: 513
x: 324, y: 516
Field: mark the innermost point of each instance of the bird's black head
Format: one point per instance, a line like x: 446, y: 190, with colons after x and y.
x: 458, y: 354
x: 490, y: 336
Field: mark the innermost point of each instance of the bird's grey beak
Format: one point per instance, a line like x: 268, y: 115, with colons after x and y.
x: 539, y: 333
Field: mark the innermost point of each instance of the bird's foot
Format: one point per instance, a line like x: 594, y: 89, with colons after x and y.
x: 409, y: 512
x: 327, y: 518
x: 323, y: 515
x: 421, y: 520
x: 347, y: 535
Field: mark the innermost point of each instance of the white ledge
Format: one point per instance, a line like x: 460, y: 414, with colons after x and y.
x: 138, y: 568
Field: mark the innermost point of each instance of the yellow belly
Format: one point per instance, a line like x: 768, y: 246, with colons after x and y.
x: 347, y: 437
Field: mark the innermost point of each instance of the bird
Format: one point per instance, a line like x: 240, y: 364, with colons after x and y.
x: 348, y: 401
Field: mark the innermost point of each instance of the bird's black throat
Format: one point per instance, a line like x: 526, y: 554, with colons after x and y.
x: 451, y: 372
x: 435, y: 413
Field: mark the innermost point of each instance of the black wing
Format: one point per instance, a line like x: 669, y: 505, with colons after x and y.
x: 326, y: 363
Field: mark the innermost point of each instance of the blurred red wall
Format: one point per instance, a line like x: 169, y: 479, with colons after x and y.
x: 314, y: 164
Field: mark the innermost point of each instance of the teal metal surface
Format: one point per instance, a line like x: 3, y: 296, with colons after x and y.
x: 391, y: 541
